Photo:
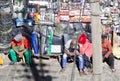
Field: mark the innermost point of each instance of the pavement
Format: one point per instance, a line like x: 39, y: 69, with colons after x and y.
x: 49, y: 70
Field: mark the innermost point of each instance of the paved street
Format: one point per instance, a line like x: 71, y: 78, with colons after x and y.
x: 48, y: 70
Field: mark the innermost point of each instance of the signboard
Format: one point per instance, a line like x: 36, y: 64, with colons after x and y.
x: 41, y: 3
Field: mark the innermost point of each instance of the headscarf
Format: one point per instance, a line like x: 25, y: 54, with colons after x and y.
x: 82, y: 38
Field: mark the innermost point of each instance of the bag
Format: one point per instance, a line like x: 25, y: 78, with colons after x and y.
x: 1, y: 60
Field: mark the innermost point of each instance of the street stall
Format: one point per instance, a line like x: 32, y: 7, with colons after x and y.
x: 44, y: 42
x: 110, y: 23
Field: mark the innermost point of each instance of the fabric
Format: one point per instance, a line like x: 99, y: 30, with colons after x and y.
x: 109, y: 60
x: 106, y: 46
x: 87, y: 62
x: 14, y: 57
x: 25, y: 40
x: 86, y: 48
x: 80, y: 61
x: 67, y: 45
x: 82, y: 38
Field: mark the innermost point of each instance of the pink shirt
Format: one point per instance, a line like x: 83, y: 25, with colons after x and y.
x: 86, y: 48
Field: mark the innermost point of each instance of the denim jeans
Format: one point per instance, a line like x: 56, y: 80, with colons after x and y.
x: 80, y: 61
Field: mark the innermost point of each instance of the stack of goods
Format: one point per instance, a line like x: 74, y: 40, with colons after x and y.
x: 5, y: 27
x: 75, y: 10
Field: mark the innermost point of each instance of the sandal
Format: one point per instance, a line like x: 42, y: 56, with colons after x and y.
x: 113, y: 70
x: 80, y: 72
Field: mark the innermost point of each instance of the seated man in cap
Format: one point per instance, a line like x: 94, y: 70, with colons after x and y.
x: 20, y: 48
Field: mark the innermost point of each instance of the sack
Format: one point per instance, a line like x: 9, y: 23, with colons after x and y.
x: 1, y: 60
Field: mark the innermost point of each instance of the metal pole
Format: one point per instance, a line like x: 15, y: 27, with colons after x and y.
x: 96, y: 40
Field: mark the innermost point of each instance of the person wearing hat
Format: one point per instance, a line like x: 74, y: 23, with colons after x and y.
x: 20, y: 48
x: 70, y: 48
x: 85, y: 48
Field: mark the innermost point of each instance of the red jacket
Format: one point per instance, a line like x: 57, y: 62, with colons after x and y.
x: 26, y: 42
x: 106, y: 46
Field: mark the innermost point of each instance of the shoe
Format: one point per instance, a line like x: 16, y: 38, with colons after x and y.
x: 113, y: 70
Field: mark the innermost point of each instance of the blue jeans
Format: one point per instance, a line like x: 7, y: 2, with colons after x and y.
x: 80, y: 61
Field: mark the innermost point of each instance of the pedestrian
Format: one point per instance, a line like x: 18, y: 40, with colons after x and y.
x: 20, y: 48
x: 71, y: 50
x: 107, y: 52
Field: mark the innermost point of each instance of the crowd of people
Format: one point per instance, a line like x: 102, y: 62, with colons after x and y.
x: 81, y: 51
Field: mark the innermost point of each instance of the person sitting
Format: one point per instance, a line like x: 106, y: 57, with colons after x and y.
x: 20, y: 48
x: 70, y: 48
x: 107, y: 52
x: 85, y: 48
